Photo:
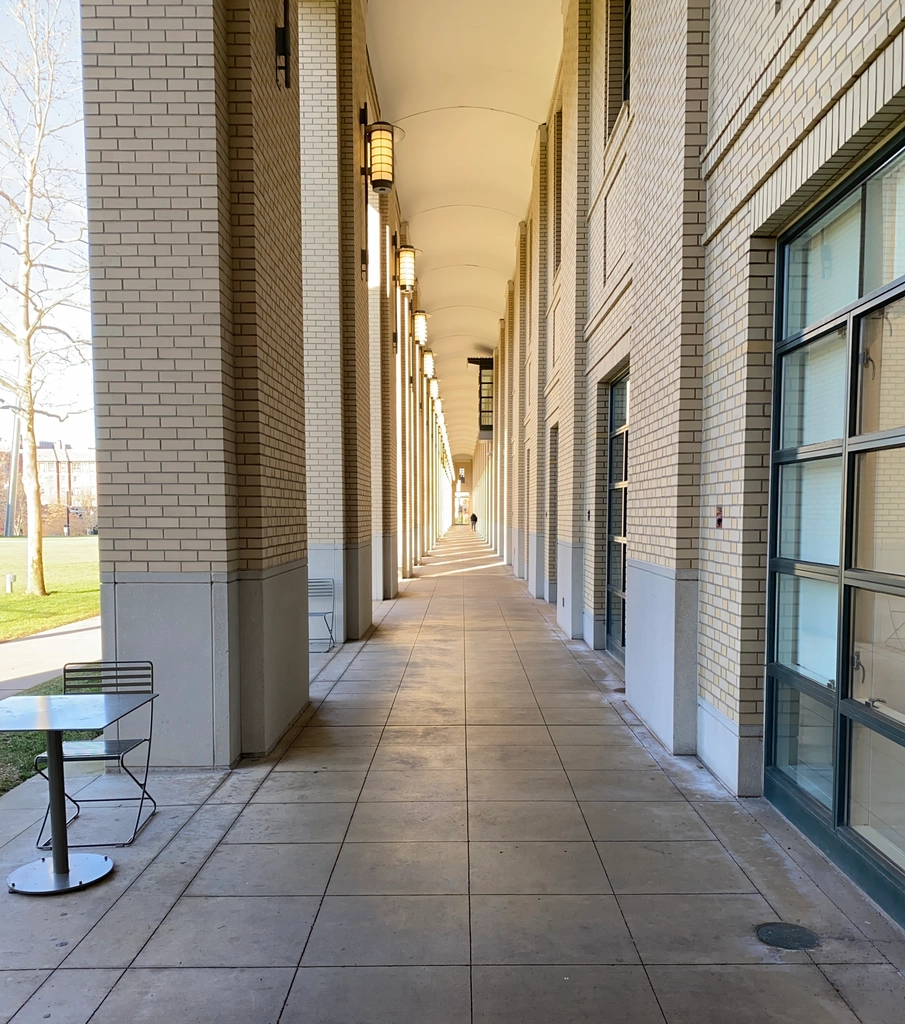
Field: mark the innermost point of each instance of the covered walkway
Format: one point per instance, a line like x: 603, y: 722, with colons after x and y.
x: 468, y: 824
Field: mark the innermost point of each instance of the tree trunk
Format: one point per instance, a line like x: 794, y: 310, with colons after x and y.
x: 32, y: 486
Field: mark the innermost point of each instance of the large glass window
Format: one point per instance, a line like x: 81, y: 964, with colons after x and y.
x: 806, y: 611
x: 803, y: 743
x: 617, y: 487
x: 836, y: 719
x: 877, y: 794
x: 813, y: 391
x: 881, y: 362
x: 810, y: 506
x: 823, y: 266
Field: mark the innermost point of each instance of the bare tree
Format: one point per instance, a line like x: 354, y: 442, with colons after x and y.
x: 43, y: 252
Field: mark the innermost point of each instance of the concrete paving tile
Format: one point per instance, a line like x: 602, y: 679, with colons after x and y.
x: 582, y: 716
x: 875, y: 992
x: 193, y: 996
x: 508, y: 735
x: 38, y: 933
x: 291, y: 823
x: 434, y: 735
x: 794, y: 896
x: 778, y: 994
x: 454, y: 715
x: 167, y: 786
x: 702, y: 929
x: 339, y: 736
x: 549, y: 930
x: 239, y: 786
x: 340, y: 759
x: 119, y: 936
x: 310, y: 787
x: 415, y: 785
x: 15, y: 989
x: 408, y: 821
x: 231, y: 931
x: 392, y: 995
x: 19, y: 820
x: 410, y: 756
x: 496, y: 699
x: 572, y: 699
x: 593, y: 735
x: 519, y: 784
x: 266, y: 869
x: 337, y: 714
x: 633, y: 786
x: 624, y: 821
x: 526, y: 821
x: 894, y: 953
x: 539, y: 995
x: 403, y: 869
x: 370, y: 931
x: 525, y: 868
x: 610, y: 758
x: 526, y: 715
x: 70, y: 996
x: 491, y: 757
x: 674, y: 867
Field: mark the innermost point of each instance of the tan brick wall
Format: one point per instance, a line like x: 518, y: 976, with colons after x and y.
x: 157, y: 125
x: 267, y: 290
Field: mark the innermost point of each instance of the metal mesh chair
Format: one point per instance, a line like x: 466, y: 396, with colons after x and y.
x: 107, y: 677
x: 321, y: 605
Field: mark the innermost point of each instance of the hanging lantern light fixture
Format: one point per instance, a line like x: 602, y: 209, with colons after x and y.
x: 435, y: 389
x: 405, y: 259
x: 427, y: 363
x: 380, y: 156
x: 420, y: 326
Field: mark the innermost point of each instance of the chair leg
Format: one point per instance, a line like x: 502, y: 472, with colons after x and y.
x: 46, y: 844
x: 143, y: 786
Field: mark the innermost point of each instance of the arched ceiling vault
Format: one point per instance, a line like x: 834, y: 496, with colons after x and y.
x: 469, y: 82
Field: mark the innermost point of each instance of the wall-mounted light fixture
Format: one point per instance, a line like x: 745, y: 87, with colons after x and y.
x: 405, y: 269
x: 283, y: 37
x: 427, y: 362
x: 380, y: 156
x: 435, y: 389
x: 420, y: 326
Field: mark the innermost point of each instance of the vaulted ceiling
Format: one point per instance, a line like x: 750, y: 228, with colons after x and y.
x: 468, y: 82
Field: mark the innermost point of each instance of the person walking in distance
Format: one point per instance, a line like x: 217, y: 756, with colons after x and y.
x: 474, y: 521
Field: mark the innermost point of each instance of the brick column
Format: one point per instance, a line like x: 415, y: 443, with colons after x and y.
x: 337, y: 335
x: 196, y: 309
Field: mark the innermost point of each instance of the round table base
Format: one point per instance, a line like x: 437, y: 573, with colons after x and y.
x: 38, y: 878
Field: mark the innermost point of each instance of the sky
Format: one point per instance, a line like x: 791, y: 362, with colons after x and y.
x: 67, y: 391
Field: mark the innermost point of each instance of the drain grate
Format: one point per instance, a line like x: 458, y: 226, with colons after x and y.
x: 787, y: 936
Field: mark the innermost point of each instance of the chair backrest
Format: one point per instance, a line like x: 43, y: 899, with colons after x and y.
x: 108, y: 677
x: 320, y: 591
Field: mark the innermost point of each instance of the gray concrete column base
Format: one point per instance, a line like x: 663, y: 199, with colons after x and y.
x: 733, y: 752
x: 570, y: 588
x: 536, y: 557
x: 273, y: 641
x: 661, y: 619
x: 187, y: 625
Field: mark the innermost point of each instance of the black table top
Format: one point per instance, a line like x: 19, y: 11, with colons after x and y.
x: 26, y: 713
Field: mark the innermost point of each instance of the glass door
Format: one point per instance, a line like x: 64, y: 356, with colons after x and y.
x: 617, y: 492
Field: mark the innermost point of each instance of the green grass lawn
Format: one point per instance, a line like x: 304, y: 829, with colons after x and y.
x: 18, y: 750
x: 71, y: 575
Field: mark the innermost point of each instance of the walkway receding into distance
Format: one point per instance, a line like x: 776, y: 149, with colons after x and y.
x: 468, y: 825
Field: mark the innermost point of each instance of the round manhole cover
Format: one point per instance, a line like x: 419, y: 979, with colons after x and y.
x: 787, y: 936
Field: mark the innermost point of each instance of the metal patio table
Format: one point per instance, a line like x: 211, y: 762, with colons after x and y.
x: 62, y: 872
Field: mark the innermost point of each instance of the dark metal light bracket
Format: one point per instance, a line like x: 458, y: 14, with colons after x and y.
x: 283, y: 36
